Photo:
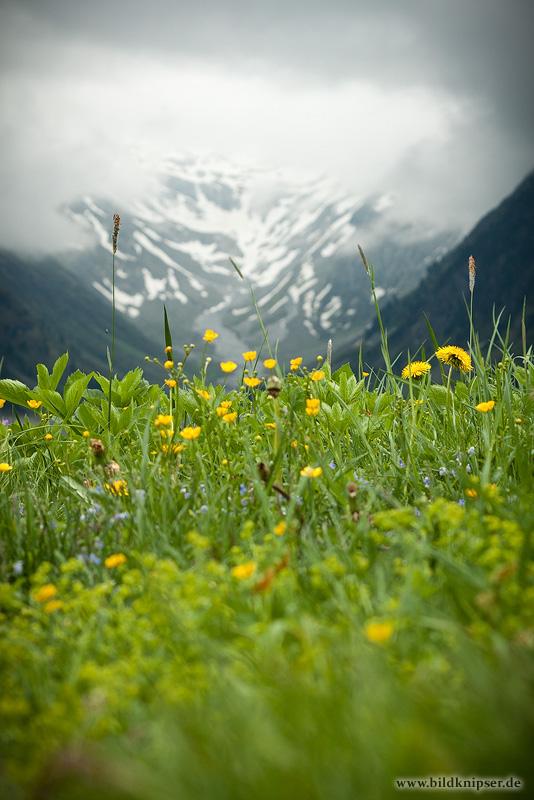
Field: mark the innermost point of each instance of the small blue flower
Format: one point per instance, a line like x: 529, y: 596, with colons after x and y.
x: 468, y: 468
x: 416, y: 511
x: 82, y: 557
x: 333, y: 465
x: 471, y: 451
x: 203, y: 509
x: 94, y: 559
x: 443, y: 471
x: 140, y: 493
x: 244, y: 502
x: 401, y: 463
x: 242, y: 489
x: 461, y: 501
x: 426, y: 480
x: 99, y: 544
x: 18, y: 567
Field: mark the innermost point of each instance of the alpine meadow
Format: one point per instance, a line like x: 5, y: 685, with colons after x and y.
x: 267, y: 579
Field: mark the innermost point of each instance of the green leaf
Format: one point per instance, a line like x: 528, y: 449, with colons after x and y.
x: 74, y: 393
x: 43, y: 377
x: 53, y: 401
x: 234, y: 265
x: 58, y: 370
x: 168, y: 337
x: 344, y: 370
x: 438, y: 394
x: 14, y: 392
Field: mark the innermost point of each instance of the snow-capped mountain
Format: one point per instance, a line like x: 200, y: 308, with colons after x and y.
x: 295, y: 242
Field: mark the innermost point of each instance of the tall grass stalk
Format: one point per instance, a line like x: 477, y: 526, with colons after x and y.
x: 114, y: 238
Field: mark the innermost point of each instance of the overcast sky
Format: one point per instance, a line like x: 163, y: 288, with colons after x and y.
x: 430, y: 99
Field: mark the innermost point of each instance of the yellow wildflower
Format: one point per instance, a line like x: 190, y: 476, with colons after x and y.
x: 366, y: 374
x: 5, y: 467
x: 169, y: 364
x: 223, y: 408
x: 48, y: 437
x: 163, y: 419
x: 472, y: 493
x: 45, y: 593
x: 86, y: 434
x: 280, y: 529
x: 230, y: 417
x: 485, y: 406
x: 416, y: 370
x: 228, y: 366
x: 295, y: 363
x: 378, y: 631
x: 190, y: 433
x: 244, y: 570
x: 270, y: 425
x: 250, y: 355
x: 52, y: 606
x: 115, y: 560
x: 455, y: 357
x: 317, y: 375
x: 117, y: 487
x: 294, y: 443
x: 252, y: 382
x: 312, y: 406
x: 2, y: 402
x: 168, y: 349
x: 204, y: 394
x: 210, y: 335
x: 171, y: 383
x: 34, y: 403
x: 311, y: 472
x: 269, y: 363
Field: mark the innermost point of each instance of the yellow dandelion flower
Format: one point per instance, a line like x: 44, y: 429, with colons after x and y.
x: 210, y: 335
x: 115, y: 560
x: 311, y: 472
x: 228, y: 366
x: 269, y: 363
x: 52, y: 606
x: 169, y: 364
x: 317, y: 375
x: 204, y: 394
x: 163, y: 419
x: 5, y: 467
x: 190, y: 433
x: 280, y: 529
x: 45, y: 593
x: 295, y: 363
x: 244, y: 570
x: 485, y: 407
x: 416, y: 370
x: 34, y: 403
x: 171, y: 383
x: 455, y: 357
x: 252, y: 382
x: 119, y: 488
x: 378, y: 631
x: 230, y: 417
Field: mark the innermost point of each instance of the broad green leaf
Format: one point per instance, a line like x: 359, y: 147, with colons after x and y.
x: 14, y: 392
x: 43, y: 377
x: 344, y: 370
x: 58, y: 370
x: 53, y: 401
x: 74, y: 393
x: 438, y: 394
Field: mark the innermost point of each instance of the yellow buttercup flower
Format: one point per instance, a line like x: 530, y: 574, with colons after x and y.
x: 168, y: 349
x: 312, y: 406
x: 190, y: 433
x: 204, y: 394
x: 171, y: 383
x: 163, y: 419
x: 250, y: 355
x: 228, y: 366
x: 317, y: 375
x: 169, y: 364
x: 455, y: 357
x: 5, y: 467
x: 210, y: 335
x: 270, y: 425
x: 223, y: 408
x: 311, y: 472
x: 45, y: 593
x: 115, y: 560
x: 48, y: 437
x: 117, y: 487
x: 230, y: 417
x: 52, y: 606
x: 378, y: 632
x: 295, y: 363
x: 252, y: 382
x: 485, y: 407
x: 269, y: 363
x: 280, y: 529
x: 34, y: 403
x: 2, y: 402
x: 244, y: 570
x: 472, y: 493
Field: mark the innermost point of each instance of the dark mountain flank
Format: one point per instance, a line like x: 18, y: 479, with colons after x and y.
x: 502, y: 244
x: 46, y: 311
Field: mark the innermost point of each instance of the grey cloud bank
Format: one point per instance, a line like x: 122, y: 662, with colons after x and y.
x: 428, y: 98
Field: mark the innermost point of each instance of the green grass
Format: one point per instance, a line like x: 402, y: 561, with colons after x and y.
x: 210, y: 622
